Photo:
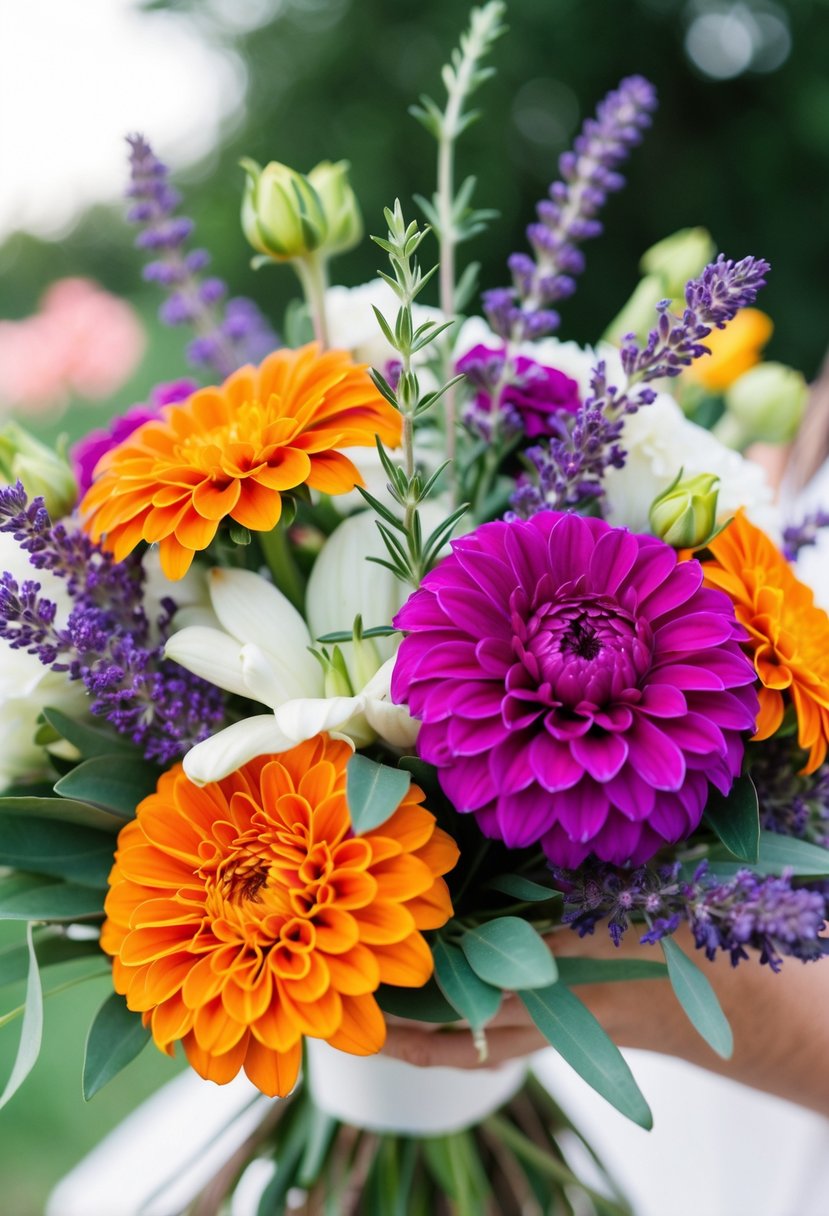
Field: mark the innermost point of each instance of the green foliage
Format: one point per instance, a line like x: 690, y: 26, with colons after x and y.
x: 117, y: 787
x: 570, y: 1027
x: 31, y: 1030
x: 374, y: 792
x: 426, y: 1004
x: 474, y: 998
x: 36, y: 897
x: 509, y: 953
x: 698, y: 999
x: 575, y: 971
x: 736, y: 819
x: 115, y: 1038
x: 61, y: 850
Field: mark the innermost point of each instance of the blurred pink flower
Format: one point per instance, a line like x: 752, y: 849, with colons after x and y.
x: 83, y: 342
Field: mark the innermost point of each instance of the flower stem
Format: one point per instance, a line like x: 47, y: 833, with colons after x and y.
x: 280, y: 561
x: 312, y: 273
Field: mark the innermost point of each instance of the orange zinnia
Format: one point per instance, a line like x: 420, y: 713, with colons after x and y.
x: 233, y: 450
x: 245, y: 914
x: 789, y: 635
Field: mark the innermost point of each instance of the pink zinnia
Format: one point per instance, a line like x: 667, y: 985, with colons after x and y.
x: 577, y: 686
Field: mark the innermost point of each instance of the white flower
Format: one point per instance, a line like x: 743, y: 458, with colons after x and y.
x: 26, y: 685
x: 659, y: 441
x: 344, y: 584
x: 352, y: 325
x: 260, y: 650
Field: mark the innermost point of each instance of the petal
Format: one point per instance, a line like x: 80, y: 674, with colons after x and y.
x: 225, y: 752
x: 211, y: 654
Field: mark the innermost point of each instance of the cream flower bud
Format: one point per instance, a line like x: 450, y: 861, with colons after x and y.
x: 42, y: 471
x: 685, y: 515
x: 679, y: 257
x: 765, y: 405
x: 282, y: 214
x: 342, y: 213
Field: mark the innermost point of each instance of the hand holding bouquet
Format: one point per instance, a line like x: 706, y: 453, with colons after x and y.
x: 324, y: 755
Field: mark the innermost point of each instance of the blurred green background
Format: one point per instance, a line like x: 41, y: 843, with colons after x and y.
x: 740, y: 145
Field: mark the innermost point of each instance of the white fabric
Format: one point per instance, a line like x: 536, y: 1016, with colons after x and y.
x: 381, y: 1094
x: 716, y: 1149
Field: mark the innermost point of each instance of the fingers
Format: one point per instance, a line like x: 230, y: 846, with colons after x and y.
x: 456, y: 1048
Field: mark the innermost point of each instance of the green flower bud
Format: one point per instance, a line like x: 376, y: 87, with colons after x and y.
x: 365, y: 657
x: 342, y: 213
x: 685, y: 515
x: 43, y: 472
x: 666, y: 267
x: 336, y: 681
x: 679, y: 257
x: 282, y: 214
x: 765, y: 405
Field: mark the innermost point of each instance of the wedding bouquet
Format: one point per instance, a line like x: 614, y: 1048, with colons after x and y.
x: 345, y: 679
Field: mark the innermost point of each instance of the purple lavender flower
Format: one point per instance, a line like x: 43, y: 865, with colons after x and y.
x: 577, y: 686
x: 224, y: 342
x: 530, y: 399
x: 768, y: 914
x: 570, y: 469
x: 791, y: 803
x: 107, y: 641
x: 567, y: 217
x: 802, y: 535
x: 88, y: 451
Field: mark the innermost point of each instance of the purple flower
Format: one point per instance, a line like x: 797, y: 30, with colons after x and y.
x: 568, y: 216
x: 577, y: 686
x: 227, y: 338
x: 530, y: 399
x: 88, y: 451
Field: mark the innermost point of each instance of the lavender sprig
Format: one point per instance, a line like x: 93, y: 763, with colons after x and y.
x: 802, y: 535
x: 107, y: 642
x: 572, y: 468
x: 226, y: 339
x: 568, y: 216
x: 749, y: 911
x: 791, y: 803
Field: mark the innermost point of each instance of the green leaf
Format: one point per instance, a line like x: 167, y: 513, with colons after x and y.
x: 373, y: 791
x: 31, y: 1031
x: 34, y: 897
x: 522, y: 888
x: 89, y: 740
x: 53, y: 948
x: 576, y: 1035
x: 426, y: 1004
x: 473, y: 998
x: 320, y: 1134
x: 118, y: 787
x: 778, y: 853
x: 698, y: 999
x: 574, y: 971
x: 115, y: 1038
x: 508, y: 953
x: 65, y: 809
x: 61, y: 850
x: 736, y: 819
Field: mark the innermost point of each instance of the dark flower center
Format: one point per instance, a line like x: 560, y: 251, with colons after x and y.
x: 582, y: 640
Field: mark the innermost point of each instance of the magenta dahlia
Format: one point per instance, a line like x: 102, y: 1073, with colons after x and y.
x: 577, y: 686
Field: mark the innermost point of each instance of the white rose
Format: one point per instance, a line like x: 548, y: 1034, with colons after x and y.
x: 352, y: 325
